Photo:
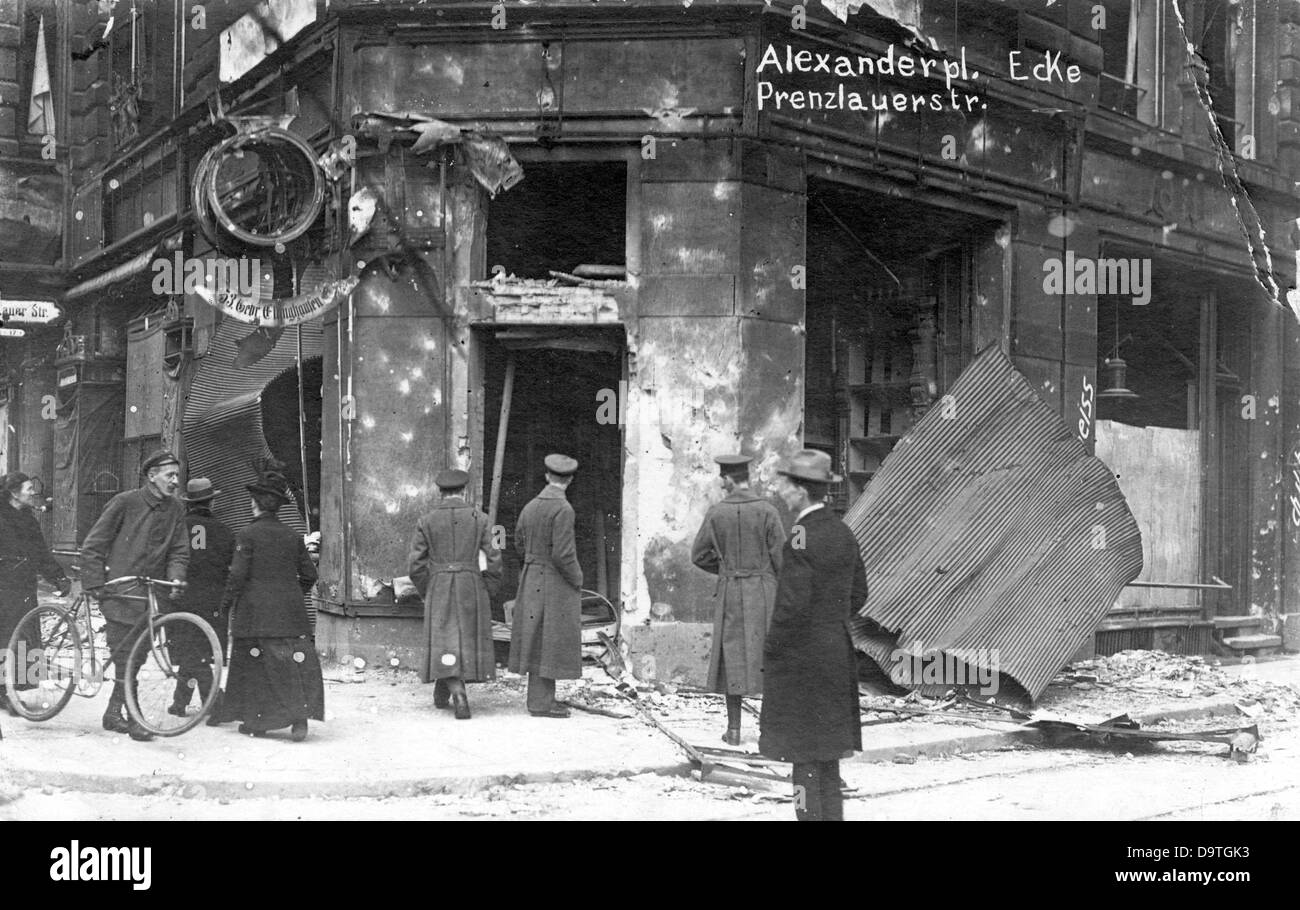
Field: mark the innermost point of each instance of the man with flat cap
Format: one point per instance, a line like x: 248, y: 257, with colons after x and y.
x: 212, y: 547
x: 444, y: 567
x: 546, y: 633
x: 141, y: 532
x: 740, y: 542
x: 810, y: 685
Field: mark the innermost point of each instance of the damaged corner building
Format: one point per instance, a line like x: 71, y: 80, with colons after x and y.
x: 582, y: 233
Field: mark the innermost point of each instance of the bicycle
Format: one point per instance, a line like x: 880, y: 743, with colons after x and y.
x: 61, y: 652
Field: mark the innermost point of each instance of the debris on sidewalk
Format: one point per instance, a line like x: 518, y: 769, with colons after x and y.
x: 1123, y: 729
x: 1128, y: 678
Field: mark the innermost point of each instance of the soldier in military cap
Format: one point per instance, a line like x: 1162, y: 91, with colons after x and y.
x: 740, y: 542
x: 444, y: 567
x: 546, y: 636
x: 141, y: 532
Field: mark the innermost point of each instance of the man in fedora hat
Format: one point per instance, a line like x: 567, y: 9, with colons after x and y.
x: 810, y: 685
x: 141, y: 532
x: 740, y: 542
x: 546, y: 634
x: 444, y: 567
x: 212, y: 546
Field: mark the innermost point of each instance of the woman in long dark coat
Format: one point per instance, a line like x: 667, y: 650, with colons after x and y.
x: 810, y: 685
x: 275, y: 676
x: 23, y: 556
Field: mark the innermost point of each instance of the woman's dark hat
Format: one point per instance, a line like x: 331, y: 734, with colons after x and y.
x: 812, y: 465
x: 451, y: 480
x: 12, y: 483
x: 199, y: 489
x: 272, y: 483
x: 561, y: 465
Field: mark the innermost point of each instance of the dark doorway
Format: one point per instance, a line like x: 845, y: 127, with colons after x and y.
x: 559, y: 376
x: 561, y: 216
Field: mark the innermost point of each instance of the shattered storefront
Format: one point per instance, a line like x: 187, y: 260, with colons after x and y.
x: 590, y: 237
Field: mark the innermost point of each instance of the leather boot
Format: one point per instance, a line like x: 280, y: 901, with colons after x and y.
x: 181, y: 697
x: 214, y: 716
x: 441, y: 693
x: 114, y: 720
x: 461, y: 702
x: 732, y: 736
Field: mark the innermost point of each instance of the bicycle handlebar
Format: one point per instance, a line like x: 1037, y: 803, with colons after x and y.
x: 140, y: 578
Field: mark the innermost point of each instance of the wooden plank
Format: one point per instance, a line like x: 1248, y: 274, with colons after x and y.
x: 1158, y: 469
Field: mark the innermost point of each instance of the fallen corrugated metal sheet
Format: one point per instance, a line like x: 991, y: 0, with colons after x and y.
x: 223, y: 419
x: 993, y: 535
x: 223, y: 416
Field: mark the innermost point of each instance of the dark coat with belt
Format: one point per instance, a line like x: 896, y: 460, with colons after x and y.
x: 23, y: 557
x: 740, y: 542
x: 457, y: 609
x: 212, y: 547
x: 269, y: 575
x: 810, y: 684
x: 138, y: 533
x: 546, y: 632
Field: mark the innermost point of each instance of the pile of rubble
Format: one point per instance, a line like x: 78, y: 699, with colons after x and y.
x: 1137, y: 676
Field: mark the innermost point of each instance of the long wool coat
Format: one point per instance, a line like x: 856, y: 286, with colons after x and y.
x: 211, y: 552
x: 810, y: 685
x: 546, y: 634
x: 23, y: 556
x: 457, y: 609
x: 740, y: 542
x: 138, y: 533
x: 269, y: 575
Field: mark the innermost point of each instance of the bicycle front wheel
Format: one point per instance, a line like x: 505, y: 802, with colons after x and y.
x: 43, y: 663
x: 181, y: 658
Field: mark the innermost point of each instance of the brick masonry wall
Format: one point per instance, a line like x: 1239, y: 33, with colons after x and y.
x: 10, y: 39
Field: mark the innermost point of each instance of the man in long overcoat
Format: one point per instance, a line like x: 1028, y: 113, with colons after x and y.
x: 140, y: 532
x: 810, y: 686
x: 546, y: 634
x: 457, y: 608
x: 212, y: 547
x: 24, y: 555
x: 740, y: 542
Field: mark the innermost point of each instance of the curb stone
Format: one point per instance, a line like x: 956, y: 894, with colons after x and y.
x: 978, y: 740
